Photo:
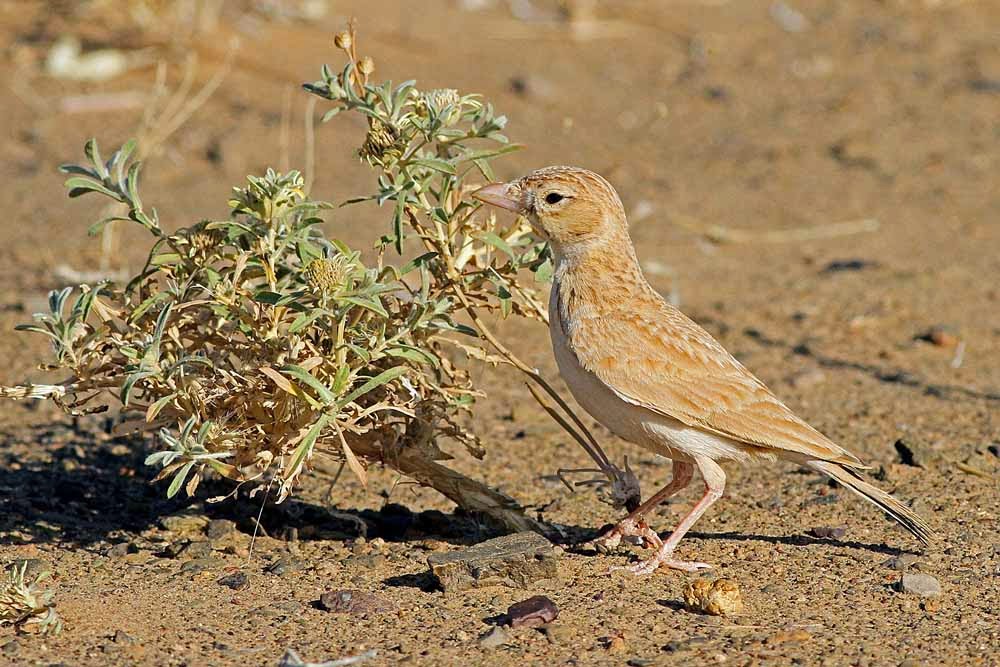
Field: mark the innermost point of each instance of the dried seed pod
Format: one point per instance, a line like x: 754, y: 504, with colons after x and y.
x: 718, y: 598
x: 366, y: 66
x: 343, y: 40
x: 382, y: 143
x: 326, y: 275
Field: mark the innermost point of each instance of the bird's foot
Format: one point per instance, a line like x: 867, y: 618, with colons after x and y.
x: 666, y: 559
x: 636, y: 527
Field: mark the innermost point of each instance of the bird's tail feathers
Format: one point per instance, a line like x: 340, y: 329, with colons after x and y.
x: 902, y: 514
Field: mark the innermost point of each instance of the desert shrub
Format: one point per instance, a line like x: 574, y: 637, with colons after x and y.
x: 253, y: 343
x: 25, y: 605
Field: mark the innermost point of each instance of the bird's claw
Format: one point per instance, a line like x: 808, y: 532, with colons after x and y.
x: 650, y: 565
x: 637, y: 527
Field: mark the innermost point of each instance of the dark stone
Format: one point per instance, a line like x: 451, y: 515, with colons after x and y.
x: 366, y: 561
x: 238, y: 581
x: 198, y: 550
x: 913, y: 454
x: 828, y: 532
x: 175, y: 549
x: 843, y: 265
x: 984, y: 85
x: 536, y: 610
x: 283, y: 566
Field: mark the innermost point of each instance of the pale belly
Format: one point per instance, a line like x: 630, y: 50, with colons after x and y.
x: 659, y: 433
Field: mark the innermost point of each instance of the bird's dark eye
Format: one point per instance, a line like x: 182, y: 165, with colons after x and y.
x: 553, y: 198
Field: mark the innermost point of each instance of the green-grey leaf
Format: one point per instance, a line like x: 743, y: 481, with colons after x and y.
x: 373, y: 383
x: 301, y: 374
x: 178, y: 480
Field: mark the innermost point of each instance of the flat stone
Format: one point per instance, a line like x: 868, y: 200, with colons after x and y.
x: 202, y: 564
x: 284, y: 566
x: 197, y: 550
x: 916, y: 454
x: 515, y: 561
x: 495, y: 637
x: 120, y: 550
x: 219, y: 528
x: 185, y: 523
x: 923, y: 585
x: 353, y: 602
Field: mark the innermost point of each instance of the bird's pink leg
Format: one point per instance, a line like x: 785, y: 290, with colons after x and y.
x: 715, y: 483
x: 635, y: 524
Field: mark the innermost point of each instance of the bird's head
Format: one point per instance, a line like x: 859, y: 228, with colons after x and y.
x: 566, y: 205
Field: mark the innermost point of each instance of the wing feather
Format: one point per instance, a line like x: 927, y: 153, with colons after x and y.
x: 654, y: 356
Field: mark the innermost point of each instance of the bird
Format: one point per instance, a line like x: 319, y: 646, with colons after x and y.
x: 652, y: 375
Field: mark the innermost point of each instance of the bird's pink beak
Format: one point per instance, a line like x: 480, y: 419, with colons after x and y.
x: 502, y: 195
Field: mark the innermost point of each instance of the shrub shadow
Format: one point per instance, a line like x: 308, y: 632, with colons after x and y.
x: 73, y: 483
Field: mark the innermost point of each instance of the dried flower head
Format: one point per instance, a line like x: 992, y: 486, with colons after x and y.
x: 433, y: 102
x: 343, y: 40
x: 203, y: 239
x: 326, y: 275
x: 382, y: 143
x: 25, y: 606
x: 366, y: 66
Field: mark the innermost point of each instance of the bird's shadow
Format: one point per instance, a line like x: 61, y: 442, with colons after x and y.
x: 580, y: 544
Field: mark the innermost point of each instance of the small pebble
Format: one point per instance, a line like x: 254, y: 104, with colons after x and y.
x: 789, y: 636
x: 556, y: 633
x: 120, y: 550
x: 616, y: 644
x: 10, y: 648
x: 494, y: 637
x: 196, y: 565
x: 185, y: 523
x: 828, y: 532
x: 175, y: 549
x: 197, y: 550
x: 923, y: 585
x: 283, y: 566
x: 367, y: 561
x: 122, y: 637
x: 902, y: 561
x: 912, y: 453
x: 219, y: 528
x: 941, y: 336
x: 238, y: 581
x: 346, y: 601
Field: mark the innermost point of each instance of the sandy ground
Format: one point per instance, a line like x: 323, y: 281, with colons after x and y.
x: 701, y: 114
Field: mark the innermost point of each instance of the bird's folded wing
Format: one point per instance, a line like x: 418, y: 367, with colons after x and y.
x: 656, y: 357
